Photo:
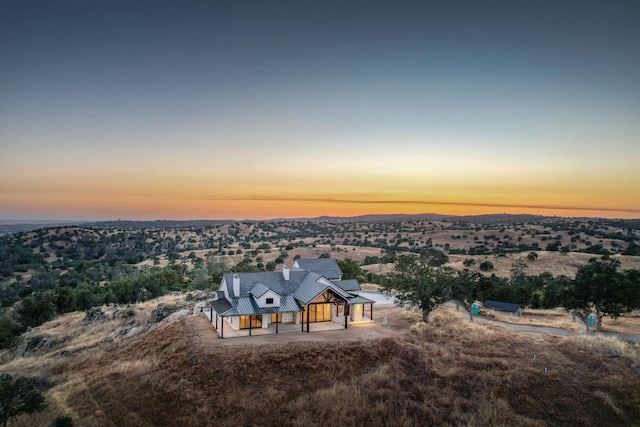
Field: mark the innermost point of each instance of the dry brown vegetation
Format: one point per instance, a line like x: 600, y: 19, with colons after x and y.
x: 557, y: 318
x: 627, y: 323
x: 449, y: 372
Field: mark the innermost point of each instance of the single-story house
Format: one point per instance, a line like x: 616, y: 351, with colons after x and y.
x: 506, y: 307
x: 311, y: 291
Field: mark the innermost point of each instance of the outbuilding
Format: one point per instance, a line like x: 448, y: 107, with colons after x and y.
x: 506, y: 307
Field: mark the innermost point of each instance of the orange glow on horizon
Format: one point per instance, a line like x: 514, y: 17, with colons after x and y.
x: 259, y: 195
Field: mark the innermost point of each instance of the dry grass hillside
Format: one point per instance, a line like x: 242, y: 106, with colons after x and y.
x: 450, y: 372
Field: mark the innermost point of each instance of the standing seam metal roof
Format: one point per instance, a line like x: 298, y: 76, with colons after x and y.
x: 503, y: 306
x: 246, y: 306
x: 258, y: 290
x: 328, y: 267
x: 303, y: 287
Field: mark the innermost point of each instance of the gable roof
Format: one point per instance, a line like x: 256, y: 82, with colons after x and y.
x: 502, y: 306
x: 301, y: 287
x: 258, y: 290
x: 273, y: 280
x: 327, y: 267
x: 313, y: 286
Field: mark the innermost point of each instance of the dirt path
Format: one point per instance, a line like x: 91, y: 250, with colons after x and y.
x: 633, y: 338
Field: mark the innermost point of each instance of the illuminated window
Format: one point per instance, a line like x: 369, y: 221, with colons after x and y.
x: 247, y: 322
x: 276, y: 318
x: 318, y: 313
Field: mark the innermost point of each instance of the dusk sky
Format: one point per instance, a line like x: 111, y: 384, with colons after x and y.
x: 247, y: 110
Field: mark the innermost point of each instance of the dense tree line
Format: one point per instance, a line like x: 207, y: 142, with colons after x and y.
x: 598, y: 287
x: 54, y: 271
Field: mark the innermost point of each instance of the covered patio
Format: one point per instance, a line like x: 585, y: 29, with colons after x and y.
x: 225, y: 330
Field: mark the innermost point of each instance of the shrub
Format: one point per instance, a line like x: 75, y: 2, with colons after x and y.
x: 486, y: 266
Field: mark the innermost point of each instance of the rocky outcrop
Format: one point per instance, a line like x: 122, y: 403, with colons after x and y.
x: 162, y: 311
x: 94, y: 314
x: 38, y: 344
x: 199, y: 295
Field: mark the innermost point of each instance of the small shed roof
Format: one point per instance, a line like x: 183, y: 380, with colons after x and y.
x: 502, y: 306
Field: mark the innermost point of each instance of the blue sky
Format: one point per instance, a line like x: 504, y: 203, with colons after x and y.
x: 270, y: 109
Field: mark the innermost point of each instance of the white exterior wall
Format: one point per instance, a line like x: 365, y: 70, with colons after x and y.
x: 262, y: 301
x: 235, y: 323
x: 287, y: 317
x: 338, y: 318
x: 356, y: 312
x: 223, y: 287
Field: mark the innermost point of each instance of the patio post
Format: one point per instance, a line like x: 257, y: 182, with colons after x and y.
x: 344, y: 311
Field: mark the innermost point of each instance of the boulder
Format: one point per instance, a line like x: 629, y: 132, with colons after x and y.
x: 199, y: 307
x: 199, y: 294
x: 162, y: 311
x: 131, y: 332
x: 178, y: 314
x: 94, y: 314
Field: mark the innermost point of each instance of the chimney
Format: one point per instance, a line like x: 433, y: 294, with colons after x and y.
x: 285, y: 272
x: 236, y: 285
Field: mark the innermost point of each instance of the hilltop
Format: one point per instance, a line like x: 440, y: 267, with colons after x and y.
x: 450, y: 372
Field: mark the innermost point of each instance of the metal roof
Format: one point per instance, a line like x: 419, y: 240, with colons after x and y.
x: 220, y: 305
x: 258, y: 290
x: 273, y: 280
x: 312, y: 286
x: 348, y: 285
x: 502, y: 306
x: 360, y: 300
x: 245, y: 306
x: 327, y: 267
x: 302, y: 287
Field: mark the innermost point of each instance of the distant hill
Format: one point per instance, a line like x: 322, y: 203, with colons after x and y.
x: 476, y: 219
x: 11, y: 226
x: 17, y: 226
x: 163, y: 224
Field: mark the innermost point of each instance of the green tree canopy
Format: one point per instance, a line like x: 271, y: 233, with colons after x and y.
x: 351, y: 269
x: 466, y: 287
x: 416, y: 282
x: 18, y: 397
x: 599, y: 287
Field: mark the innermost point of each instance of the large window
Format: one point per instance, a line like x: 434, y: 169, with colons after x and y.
x: 256, y: 322
x: 276, y: 318
x: 318, y: 313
